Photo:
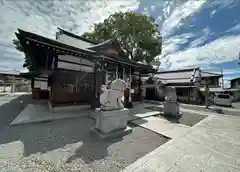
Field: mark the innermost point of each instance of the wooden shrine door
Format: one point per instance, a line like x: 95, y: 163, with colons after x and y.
x: 70, y: 87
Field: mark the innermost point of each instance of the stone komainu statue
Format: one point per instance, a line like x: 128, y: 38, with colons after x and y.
x: 171, y: 95
x: 112, y: 99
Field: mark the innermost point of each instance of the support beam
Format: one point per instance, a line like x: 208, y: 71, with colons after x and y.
x: 106, y: 78
x: 130, y: 83
x: 116, y: 72
x: 124, y: 77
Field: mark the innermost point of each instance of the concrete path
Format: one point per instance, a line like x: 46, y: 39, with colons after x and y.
x: 200, y: 111
x: 225, y: 110
x: 197, y: 106
x: 163, y: 126
x: 212, y: 145
x: 235, y: 111
x: 40, y: 113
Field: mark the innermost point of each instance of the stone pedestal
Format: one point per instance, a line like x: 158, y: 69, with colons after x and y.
x: 171, y: 109
x: 111, y: 123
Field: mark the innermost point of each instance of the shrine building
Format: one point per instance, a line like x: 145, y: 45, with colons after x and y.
x: 71, y: 69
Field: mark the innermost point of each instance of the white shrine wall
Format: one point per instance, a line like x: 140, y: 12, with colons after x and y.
x: 41, y: 82
x: 75, y: 63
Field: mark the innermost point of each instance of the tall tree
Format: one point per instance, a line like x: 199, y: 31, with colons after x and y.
x: 137, y: 33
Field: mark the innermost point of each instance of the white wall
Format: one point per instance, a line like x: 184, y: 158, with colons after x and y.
x: 41, y: 83
x: 73, y: 41
x: 75, y: 59
x: 76, y: 67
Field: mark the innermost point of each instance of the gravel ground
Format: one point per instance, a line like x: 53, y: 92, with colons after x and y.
x: 23, y: 147
x: 188, y: 119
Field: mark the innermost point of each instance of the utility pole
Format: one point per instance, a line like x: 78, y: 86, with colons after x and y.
x: 239, y: 59
x: 222, y: 78
x: 206, y: 94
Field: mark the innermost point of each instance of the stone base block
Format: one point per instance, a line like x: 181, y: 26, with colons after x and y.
x: 67, y: 108
x: 107, y: 121
x: 115, y: 133
x: 171, y: 109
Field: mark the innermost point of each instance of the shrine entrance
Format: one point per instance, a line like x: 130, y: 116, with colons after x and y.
x: 72, y: 87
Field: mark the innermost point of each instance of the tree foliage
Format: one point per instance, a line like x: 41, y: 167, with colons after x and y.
x: 137, y: 33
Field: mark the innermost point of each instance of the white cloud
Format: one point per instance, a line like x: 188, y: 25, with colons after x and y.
x: 236, y: 28
x: 177, y: 17
x: 153, y: 7
x: 43, y: 17
x: 197, y: 52
x: 220, y: 4
x: 172, y: 45
x: 231, y: 71
x: 203, y: 36
x: 221, y: 50
x: 227, y: 73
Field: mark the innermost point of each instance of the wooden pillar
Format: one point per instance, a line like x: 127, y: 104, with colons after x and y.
x: 106, y: 78
x: 206, y: 95
x: 14, y: 84
x: 139, y: 86
x: 130, y: 85
x: 124, y: 77
x: 47, y: 62
x: 143, y: 92
x: 95, y: 90
x: 117, y: 72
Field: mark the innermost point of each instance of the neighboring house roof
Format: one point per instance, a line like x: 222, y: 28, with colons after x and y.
x: 9, y: 72
x: 235, y: 79
x: 210, y: 74
x: 182, y: 76
x: 178, y: 81
x: 176, y: 76
x: 219, y: 89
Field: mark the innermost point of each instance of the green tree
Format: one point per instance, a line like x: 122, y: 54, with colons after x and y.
x: 138, y: 34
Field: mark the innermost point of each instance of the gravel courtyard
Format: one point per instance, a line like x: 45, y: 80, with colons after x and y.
x: 66, y: 145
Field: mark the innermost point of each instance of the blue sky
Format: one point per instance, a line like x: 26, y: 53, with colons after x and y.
x: 204, y: 33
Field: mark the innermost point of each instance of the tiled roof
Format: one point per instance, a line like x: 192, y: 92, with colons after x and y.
x: 210, y: 74
x: 182, y: 76
x: 174, y: 75
x: 9, y: 72
x: 235, y: 79
x: 178, y: 81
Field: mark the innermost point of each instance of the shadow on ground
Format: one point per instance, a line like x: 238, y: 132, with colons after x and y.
x: 96, y: 154
x: 186, y: 118
x: 9, y: 111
